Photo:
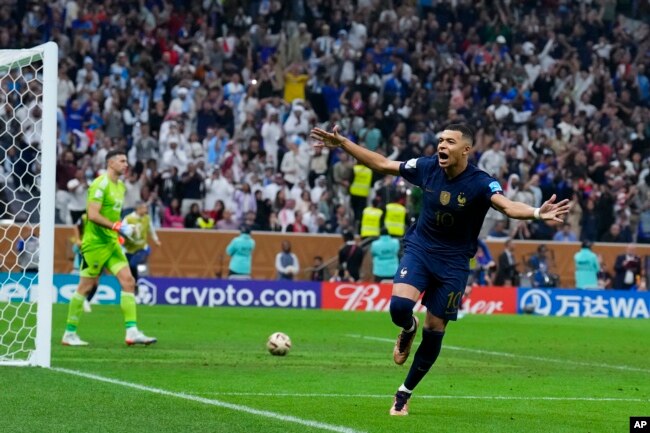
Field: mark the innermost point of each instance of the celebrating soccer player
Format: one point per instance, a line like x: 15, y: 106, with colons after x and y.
x: 437, y: 249
x: 101, y: 248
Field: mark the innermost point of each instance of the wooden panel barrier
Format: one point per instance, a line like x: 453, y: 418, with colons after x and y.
x: 202, y: 253
x: 198, y: 253
x: 9, y: 236
x: 562, y: 254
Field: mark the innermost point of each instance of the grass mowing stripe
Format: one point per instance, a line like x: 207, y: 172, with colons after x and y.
x: 235, y: 407
x: 131, y: 361
x: 516, y: 356
x: 433, y: 397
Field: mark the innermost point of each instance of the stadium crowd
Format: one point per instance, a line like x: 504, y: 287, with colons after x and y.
x: 214, y: 104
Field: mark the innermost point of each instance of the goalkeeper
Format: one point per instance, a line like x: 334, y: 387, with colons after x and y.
x: 136, y: 247
x: 101, y: 248
x: 76, y: 249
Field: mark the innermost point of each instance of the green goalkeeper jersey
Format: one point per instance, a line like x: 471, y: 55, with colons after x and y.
x: 110, y: 195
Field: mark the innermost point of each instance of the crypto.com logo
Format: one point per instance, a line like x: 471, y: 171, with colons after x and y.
x: 537, y: 299
x: 146, y: 292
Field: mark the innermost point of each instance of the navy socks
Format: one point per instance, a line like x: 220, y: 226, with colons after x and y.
x: 424, y: 358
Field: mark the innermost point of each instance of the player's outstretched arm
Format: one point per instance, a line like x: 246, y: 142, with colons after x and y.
x: 370, y: 159
x: 549, y: 211
x: 154, y: 236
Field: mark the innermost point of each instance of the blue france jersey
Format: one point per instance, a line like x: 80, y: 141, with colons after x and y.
x: 452, y: 210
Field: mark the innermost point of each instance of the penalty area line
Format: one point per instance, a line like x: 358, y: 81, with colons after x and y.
x: 211, y: 402
x: 431, y: 397
x: 517, y: 356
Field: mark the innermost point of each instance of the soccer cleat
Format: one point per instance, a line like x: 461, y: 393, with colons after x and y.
x: 135, y: 336
x: 72, y: 339
x: 87, y: 307
x: 403, y: 344
x: 400, y: 404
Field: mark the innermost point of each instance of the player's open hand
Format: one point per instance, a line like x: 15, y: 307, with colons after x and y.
x: 551, y: 211
x: 328, y: 139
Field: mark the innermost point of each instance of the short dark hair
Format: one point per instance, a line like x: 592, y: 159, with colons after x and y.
x: 112, y: 153
x: 466, y: 131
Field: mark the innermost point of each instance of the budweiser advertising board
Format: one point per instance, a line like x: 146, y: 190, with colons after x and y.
x: 376, y: 297
x: 491, y: 300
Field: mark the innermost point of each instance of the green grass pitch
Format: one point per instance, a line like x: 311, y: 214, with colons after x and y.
x: 210, y: 372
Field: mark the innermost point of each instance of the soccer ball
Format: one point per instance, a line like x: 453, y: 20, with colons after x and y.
x: 278, y: 344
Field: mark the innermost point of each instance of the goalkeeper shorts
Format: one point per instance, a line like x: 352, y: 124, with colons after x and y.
x: 109, y: 256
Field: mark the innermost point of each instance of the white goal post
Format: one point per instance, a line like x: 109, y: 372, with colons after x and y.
x: 28, y: 154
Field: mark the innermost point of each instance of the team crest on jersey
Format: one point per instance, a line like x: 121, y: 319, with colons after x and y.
x: 403, y: 273
x: 461, y: 199
x: 445, y: 197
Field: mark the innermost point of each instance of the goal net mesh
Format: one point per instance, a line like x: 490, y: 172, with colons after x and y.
x: 21, y: 110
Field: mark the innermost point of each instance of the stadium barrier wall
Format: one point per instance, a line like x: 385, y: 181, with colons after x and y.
x: 202, y: 292
x: 18, y: 288
x: 376, y: 297
x: 229, y: 293
x: 201, y: 253
x: 584, y: 303
x: 199, y: 292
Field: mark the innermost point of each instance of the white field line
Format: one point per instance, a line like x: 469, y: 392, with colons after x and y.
x: 516, y: 356
x: 432, y: 397
x: 212, y: 402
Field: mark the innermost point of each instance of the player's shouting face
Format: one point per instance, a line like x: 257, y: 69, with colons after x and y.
x: 118, y: 164
x: 452, y: 148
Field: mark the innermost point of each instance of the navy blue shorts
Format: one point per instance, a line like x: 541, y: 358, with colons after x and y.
x: 442, y: 281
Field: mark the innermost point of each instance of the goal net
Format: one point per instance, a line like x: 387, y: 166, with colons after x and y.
x: 28, y: 85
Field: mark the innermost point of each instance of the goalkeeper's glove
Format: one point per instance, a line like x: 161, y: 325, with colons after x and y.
x: 124, y: 229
